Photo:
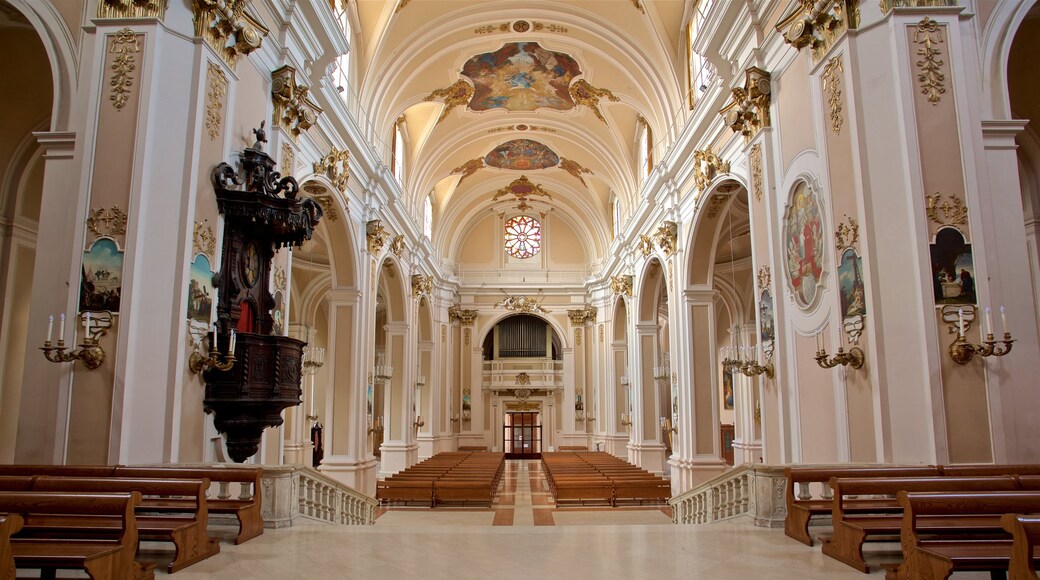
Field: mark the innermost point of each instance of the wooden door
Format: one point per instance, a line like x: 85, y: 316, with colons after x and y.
x: 522, y: 435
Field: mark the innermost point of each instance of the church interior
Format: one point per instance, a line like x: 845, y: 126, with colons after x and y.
x: 674, y: 274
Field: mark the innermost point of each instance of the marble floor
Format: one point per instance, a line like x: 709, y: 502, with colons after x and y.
x: 523, y: 536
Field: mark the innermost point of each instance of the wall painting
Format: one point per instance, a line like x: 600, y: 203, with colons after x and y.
x: 521, y: 155
x: 200, y: 290
x: 101, y: 283
x: 521, y: 76
x: 727, y: 389
x: 850, y: 284
x: 953, y: 271
x: 803, y: 245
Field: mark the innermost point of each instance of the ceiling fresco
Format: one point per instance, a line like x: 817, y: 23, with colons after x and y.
x: 522, y: 155
x: 521, y: 76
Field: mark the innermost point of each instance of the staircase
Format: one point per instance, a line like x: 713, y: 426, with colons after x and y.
x: 752, y: 490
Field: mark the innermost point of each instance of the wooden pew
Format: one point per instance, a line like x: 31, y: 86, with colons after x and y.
x: 1025, y: 531
x: 100, y: 559
x: 801, y: 506
x: 9, y: 526
x: 970, y: 539
x: 856, y: 521
x: 186, y: 529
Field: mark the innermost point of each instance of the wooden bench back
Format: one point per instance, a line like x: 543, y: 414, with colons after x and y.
x: 969, y: 470
x: 123, y: 505
x: 17, y: 482
x: 843, y: 486
x: 1026, y: 532
x: 195, y: 489
x: 70, y: 470
x: 822, y: 474
x: 10, y: 524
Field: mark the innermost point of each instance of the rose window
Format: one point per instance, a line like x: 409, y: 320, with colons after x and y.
x: 523, y: 237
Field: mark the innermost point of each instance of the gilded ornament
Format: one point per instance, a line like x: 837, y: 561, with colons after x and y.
x: 521, y: 304
x: 465, y: 338
x: 421, y: 285
x: 706, y: 166
x: 132, y: 9
x: 490, y: 28
x: 335, y: 166
x: 521, y: 26
x: 639, y: 6
x: 953, y: 211
x: 203, y: 241
x: 756, y: 170
x: 397, y: 245
x: 400, y: 5
x: 125, y: 44
x: 847, y: 234
x: 928, y: 34
x: 288, y: 160
x: 522, y: 378
x: 645, y: 245
x: 464, y: 316
x: 586, y: 314
x: 575, y: 169
x: 328, y: 206
x: 294, y: 110
x: 469, y: 168
x: 521, y: 188
x: 715, y: 205
x: 582, y: 93
x: 577, y: 337
x: 444, y: 333
x: 107, y: 222
x: 666, y: 237
x: 887, y: 5
x: 280, y: 279
x: 216, y: 90
x: 621, y: 285
x: 832, y: 81
x: 456, y: 95
x: 818, y: 24
x: 377, y: 236
x: 764, y: 277
x: 227, y: 28
x: 538, y: 27
x: 748, y: 109
x: 601, y: 333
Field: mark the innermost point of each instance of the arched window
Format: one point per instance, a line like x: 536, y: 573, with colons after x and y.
x: 342, y: 74
x: 700, y: 73
x: 427, y: 226
x: 644, y: 146
x: 615, y: 211
x: 523, y: 236
x: 398, y: 155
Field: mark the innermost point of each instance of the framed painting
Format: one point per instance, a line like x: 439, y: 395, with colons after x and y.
x: 803, y: 245
x: 953, y: 269
x: 727, y: 389
x: 101, y: 282
x: 850, y: 285
x: 200, y: 290
x: 521, y: 76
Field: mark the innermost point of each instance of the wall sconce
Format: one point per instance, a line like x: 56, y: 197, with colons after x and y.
x: 626, y: 421
x: 746, y: 361
x: 90, y: 352
x: 666, y: 425
x: 853, y: 358
x: 375, y: 425
x: 418, y: 424
x: 454, y: 418
x: 962, y: 351
x: 198, y: 363
x: 313, y: 359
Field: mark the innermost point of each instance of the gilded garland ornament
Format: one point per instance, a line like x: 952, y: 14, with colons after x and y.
x: 666, y: 237
x: 645, y: 245
x: 756, y: 170
x: 397, y: 245
x: 328, y: 206
x: 928, y: 34
x: 335, y: 166
x: 847, y: 235
x: 952, y: 209
x: 582, y: 93
x: 706, y: 166
x: 377, y: 237
x: 280, y: 279
x: 421, y: 285
x: 203, y: 241
x: 107, y: 222
x: 125, y: 45
x: 227, y: 28
x: 521, y: 304
x: 288, y: 165
x: 832, y: 81
x: 764, y: 277
x: 621, y: 285
x: 217, y: 85
x: 715, y: 205
x: 456, y: 95
x: 132, y: 9
x: 469, y: 168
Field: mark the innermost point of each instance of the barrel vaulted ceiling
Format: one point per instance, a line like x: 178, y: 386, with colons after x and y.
x: 494, y: 91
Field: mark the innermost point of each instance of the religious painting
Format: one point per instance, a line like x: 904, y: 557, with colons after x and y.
x: 727, y: 389
x: 953, y: 270
x: 370, y: 399
x: 200, y: 290
x: 766, y: 321
x: 278, y: 315
x: 521, y: 155
x: 803, y: 245
x: 521, y: 76
x: 850, y: 285
x: 101, y: 283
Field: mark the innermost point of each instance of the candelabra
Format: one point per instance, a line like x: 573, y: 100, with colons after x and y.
x: 198, y: 362
x: 745, y: 364
x: 418, y: 423
x: 663, y: 369
x: 962, y: 351
x: 454, y: 418
x: 375, y: 425
x: 666, y: 425
x: 853, y: 357
x: 90, y: 352
x: 626, y: 421
x: 313, y: 359
x: 383, y: 372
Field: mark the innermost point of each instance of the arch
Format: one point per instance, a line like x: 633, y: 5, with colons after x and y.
x: 997, y: 38
x: 391, y: 282
x: 707, y: 225
x: 61, y: 51
x: 338, y: 232
x: 424, y: 320
x: 620, y: 319
x: 647, y: 299
x: 557, y: 329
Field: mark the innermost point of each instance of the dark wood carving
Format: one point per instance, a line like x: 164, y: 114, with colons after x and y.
x: 261, y: 216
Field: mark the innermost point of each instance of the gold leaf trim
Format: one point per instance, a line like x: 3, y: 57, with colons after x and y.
x: 216, y: 90
x: 125, y: 45
x: 335, y: 166
x: 928, y: 34
x: 107, y: 222
x: 583, y: 93
x: 832, y: 82
x: 953, y: 211
x: 756, y: 170
x: 456, y: 95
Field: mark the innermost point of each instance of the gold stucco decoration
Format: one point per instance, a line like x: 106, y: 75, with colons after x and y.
x: 764, y: 277
x: 125, y: 45
x: 577, y: 337
x: 294, y: 110
x: 887, y: 5
x: 666, y: 237
x: 377, y: 236
x: 540, y: 26
x: 756, y: 170
x: 288, y: 166
x: 748, y: 109
x: 582, y: 93
x: 952, y: 210
x: 421, y: 285
x: 335, y: 166
x: 706, y: 166
x: 444, y: 333
x: 601, y: 333
x: 397, y: 245
x: 216, y: 90
x: 846, y: 235
x: 469, y: 168
x: 715, y: 205
x: 132, y: 9
x: 521, y: 304
x: 928, y: 35
x: 818, y: 24
x: 521, y: 188
x: 575, y: 169
x: 327, y: 206
x: 203, y: 241
x: 832, y: 83
x: 464, y: 316
x: 621, y: 285
x: 456, y: 95
x: 280, y: 278
x: 582, y: 315
x: 645, y: 245
x: 107, y: 222
x: 490, y: 28
x: 465, y: 338
x: 227, y: 28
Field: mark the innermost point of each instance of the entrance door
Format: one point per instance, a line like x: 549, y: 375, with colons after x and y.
x: 522, y: 435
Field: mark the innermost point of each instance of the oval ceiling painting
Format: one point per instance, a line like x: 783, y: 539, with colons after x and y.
x: 522, y: 155
x: 521, y: 76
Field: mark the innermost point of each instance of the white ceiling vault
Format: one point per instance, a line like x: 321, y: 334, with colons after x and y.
x: 404, y: 51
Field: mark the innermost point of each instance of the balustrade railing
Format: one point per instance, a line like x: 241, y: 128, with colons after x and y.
x: 753, y: 490
x: 293, y: 491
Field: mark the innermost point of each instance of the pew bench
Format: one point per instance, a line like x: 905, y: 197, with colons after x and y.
x: 857, y: 520
x: 10, y: 524
x: 802, y: 507
x: 111, y: 558
x: 405, y: 490
x: 1025, y: 532
x: 935, y: 553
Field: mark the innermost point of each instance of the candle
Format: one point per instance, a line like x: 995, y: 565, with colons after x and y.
x: 231, y: 346
x: 50, y: 327
x: 88, y: 323
x: 960, y: 322
x: 1003, y: 320
x: 989, y: 321
x: 819, y: 342
x: 312, y: 398
x: 61, y: 329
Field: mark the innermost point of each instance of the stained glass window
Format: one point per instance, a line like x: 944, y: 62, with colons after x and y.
x: 523, y: 236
